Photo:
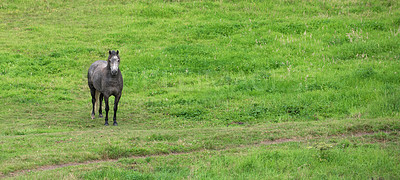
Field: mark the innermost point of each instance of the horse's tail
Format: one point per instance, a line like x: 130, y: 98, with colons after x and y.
x: 97, y: 96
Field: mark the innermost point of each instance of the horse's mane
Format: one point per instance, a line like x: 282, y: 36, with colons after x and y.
x: 113, y: 53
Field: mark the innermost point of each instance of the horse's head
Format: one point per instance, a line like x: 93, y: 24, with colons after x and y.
x: 113, y: 62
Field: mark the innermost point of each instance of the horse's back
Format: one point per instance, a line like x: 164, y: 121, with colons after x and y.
x: 97, y: 66
x: 94, y: 69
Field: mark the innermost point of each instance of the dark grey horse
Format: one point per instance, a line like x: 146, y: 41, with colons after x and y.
x: 104, y: 80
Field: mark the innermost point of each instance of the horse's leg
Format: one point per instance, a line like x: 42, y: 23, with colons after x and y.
x: 100, y: 102
x: 93, y: 93
x: 115, y: 109
x: 107, y: 108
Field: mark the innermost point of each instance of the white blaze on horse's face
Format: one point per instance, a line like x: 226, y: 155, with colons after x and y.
x: 114, y: 63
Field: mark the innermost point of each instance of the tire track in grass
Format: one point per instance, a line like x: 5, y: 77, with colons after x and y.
x: 266, y: 142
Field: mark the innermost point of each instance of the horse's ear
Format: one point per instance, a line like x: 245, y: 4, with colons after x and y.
x: 117, y: 52
x: 109, y: 52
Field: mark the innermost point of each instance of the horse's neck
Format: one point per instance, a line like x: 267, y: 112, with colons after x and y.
x: 107, y: 70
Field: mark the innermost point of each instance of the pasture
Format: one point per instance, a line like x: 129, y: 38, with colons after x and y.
x: 212, y: 89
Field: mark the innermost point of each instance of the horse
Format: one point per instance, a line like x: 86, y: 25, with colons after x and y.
x: 105, y: 80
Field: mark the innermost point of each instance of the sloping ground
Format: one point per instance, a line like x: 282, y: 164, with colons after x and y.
x: 322, y: 147
x: 68, y: 147
x: 208, y: 81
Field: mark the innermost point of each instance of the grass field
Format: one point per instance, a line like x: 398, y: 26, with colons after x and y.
x: 212, y: 89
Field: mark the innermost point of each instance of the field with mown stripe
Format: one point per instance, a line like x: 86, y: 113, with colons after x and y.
x: 212, y: 89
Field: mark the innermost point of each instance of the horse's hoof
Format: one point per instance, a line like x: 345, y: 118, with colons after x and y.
x: 100, y: 116
x: 115, y: 124
x: 105, y: 124
x: 93, y: 116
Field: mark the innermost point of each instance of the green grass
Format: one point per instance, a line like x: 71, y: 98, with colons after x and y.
x: 350, y: 158
x: 200, y: 75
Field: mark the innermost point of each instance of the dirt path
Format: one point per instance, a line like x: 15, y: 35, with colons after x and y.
x: 267, y: 142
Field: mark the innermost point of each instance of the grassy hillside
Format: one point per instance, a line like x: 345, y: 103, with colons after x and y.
x: 214, y: 74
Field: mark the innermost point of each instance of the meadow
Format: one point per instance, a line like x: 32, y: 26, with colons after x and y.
x: 212, y: 89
